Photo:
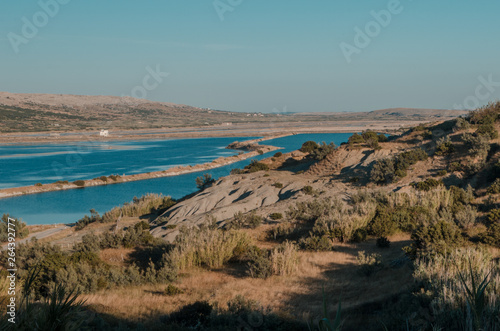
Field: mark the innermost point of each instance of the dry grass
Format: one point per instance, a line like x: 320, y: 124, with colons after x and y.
x: 299, y: 294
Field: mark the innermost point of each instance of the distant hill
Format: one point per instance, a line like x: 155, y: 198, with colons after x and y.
x: 60, y: 112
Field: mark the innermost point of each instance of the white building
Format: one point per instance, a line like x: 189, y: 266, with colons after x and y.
x: 104, y: 133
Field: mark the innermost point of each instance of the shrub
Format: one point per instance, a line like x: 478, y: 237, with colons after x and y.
x: 427, y: 185
x: 255, y: 166
x: 315, y: 243
x: 21, y: 230
x: 383, y: 171
x: 461, y: 124
x: 442, y: 172
x: 204, y: 181
x: 466, y: 216
x: 383, y: 242
x: 114, y: 177
x: 494, y: 188
x: 440, y: 237
x: 237, y: 171
x: 147, y: 204
x: 369, y: 263
x: 487, y: 130
x: 80, y: 183
x: 278, y: 185
x: 276, y: 216
x: 323, y: 150
x: 359, y: 236
x: 250, y: 220
x: 477, y: 145
x: 382, y: 138
x: 444, y: 146
x: 309, y: 147
x: 103, y: 178
x: 308, y: 190
x: 86, y: 220
x: 492, y: 235
x: 455, y: 166
x: 260, y: 152
x: 356, y: 139
x: 383, y: 223
x: 278, y: 154
x: 259, y: 264
x: 38, y: 184
x: 172, y: 290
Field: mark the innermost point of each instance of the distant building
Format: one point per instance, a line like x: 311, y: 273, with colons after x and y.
x: 104, y: 133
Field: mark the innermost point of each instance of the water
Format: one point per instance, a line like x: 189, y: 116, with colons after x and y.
x: 69, y: 206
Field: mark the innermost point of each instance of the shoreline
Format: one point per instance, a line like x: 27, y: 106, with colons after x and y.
x: 235, y: 130
x: 174, y: 171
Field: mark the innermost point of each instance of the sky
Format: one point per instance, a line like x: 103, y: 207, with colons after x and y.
x: 258, y: 55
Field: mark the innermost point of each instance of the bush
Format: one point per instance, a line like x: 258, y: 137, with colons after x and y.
x: 276, y: 216
x: 309, y: 147
x: 278, y: 185
x: 308, y: 190
x: 250, y: 220
x: 278, y: 154
x: 494, y: 188
x: 369, y: 263
x: 440, y: 237
x: 487, y: 130
x: 204, y: 181
x: 477, y: 145
x: 323, y: 150
x: 103, y: 178
x: 383, y: 171
x: 455, y: 166
x: 21, y: 230
x: 260, y: 151
x: 442, y: 172
x: 192, y: 315
x: 80, y: 183
x: 316, y: 243
x: 383, y: 242
x: 444, y: 146
x: 39, y: 184
x: 427, y: 185
x: 86, y: 220
x: 284, y: 259
x: 255, y: 166
x: 356, y: 139
x: 359, y: 236
x: 461, y: 124
x: 172, y: 290
x: 259, y: 264
x: 114, y: 177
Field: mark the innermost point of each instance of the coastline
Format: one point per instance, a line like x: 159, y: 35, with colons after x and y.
x: 175, y: 171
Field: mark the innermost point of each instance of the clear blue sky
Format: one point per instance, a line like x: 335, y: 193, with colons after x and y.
x: 264, y: 55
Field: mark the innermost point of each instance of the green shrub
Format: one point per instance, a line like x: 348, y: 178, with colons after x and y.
x: 488, y: 130
x: 172, y: 290
x: 383, y: 171
x: 383, y: 223
x: 308, y: 190
x: 86, y: 220
x: 369, y: 263
x: 250, y: 220
x: 477, y: 145
x: 255, y: 166
x: 103, y: 178
x: 260, y: 152
x: 114, y: 177
x: 309, y: 146
x: 427, y: 185
x: 461, y: 124
x: 284, y: 259
x: 21, y: 230
x: 323, y: 151
x: 276, y: 216
x: 359, y: 235
x: 315, y: 243
x: 494, y: 188
x: 38, y: 184
x: 444, y: 146
x: 382, y: 138
x: 492, y: 235
x: 204, y: 181
x: 356, y: 139
x: 80, y: 183
x: 278, y: 185
x: 237, y: 171
x: 442, y: 172
x: 278, y: 154
x: 440, y: 237
x: 455, y: 166
x: 259, y: 265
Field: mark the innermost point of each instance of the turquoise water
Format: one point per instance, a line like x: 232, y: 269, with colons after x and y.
x: 69, y: 206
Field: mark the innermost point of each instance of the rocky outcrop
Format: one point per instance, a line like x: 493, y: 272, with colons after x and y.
x: 225, y: 198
